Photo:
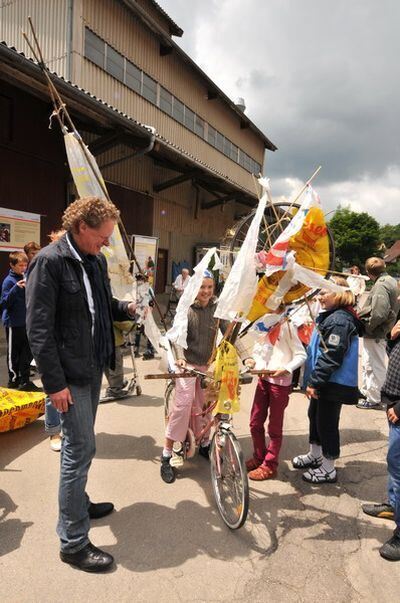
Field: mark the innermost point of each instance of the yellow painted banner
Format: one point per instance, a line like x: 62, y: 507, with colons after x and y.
x: 227, y: 373
x: 311, y: 245
x: 18, y: 409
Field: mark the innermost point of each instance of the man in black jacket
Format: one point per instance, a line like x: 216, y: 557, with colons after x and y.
x: 70, y: 311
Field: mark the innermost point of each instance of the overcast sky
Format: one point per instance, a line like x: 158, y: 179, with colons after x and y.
x: 321, y: 78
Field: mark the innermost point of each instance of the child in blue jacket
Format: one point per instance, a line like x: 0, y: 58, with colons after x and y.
x: 330, y: 380
x: 13, y: 305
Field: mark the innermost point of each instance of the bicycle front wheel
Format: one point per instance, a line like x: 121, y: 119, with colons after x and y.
x: 229, y: 478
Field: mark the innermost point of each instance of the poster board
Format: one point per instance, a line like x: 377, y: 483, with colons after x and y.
x: 145, y: 247
x: 18, y: 228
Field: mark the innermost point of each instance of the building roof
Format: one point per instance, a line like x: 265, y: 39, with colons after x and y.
x: 393, y: 253
x: 139, y: 11
x: 89, y: 107
x: 175, y: 29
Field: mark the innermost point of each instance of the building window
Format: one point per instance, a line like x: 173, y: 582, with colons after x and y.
x: 133, y: 77
x: 234, y: 152
x: 219, y: 141
x: 199, y: 126
x: 95, y: 48
x: 149, y: 89
x: 211, y: 137
x: 165, y: 101
x: 227, y: 147
x: 179, y: 111
x: 189, y: 119
x: 115, y: 64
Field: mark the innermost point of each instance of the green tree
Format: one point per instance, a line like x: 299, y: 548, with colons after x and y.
x: 389, y: 234
x: 356, y: 236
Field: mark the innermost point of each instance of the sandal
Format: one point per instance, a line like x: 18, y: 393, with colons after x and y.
x: 305, y: 461
x: 261, y: 473
x: 252, y: 464
x: 320, y: 476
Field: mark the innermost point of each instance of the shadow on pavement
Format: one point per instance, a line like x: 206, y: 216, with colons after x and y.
x: 152, y: 536
x: 120, y: 446
x: 142, y: 401
x: 11, y: 530
x: 15, y: 443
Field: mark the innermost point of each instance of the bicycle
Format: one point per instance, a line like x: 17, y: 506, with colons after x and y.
x: 228, y: 470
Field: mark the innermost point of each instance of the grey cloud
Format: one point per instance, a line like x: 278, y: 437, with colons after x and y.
x: 319, y: 77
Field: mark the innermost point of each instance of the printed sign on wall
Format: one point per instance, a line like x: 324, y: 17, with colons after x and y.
x: 18, y: 228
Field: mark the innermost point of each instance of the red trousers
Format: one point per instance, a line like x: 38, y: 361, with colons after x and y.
x: 269, y: 399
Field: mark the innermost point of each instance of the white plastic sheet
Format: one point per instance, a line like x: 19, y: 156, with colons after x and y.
x: 84, y: 170
x: 241, y: 285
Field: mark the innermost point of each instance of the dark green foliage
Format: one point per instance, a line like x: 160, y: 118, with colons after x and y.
x: 357, y: 237
x: 389, y: 234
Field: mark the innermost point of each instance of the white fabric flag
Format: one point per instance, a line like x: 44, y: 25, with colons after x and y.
x: 295, y: 273
x: 178, y: 331
x: 87, y: 184
x: 241, y: 285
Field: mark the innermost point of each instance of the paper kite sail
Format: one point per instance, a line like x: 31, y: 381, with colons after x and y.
x: 301, y: 248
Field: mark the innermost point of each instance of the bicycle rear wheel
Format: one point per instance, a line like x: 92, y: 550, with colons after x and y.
x: 229, y: 478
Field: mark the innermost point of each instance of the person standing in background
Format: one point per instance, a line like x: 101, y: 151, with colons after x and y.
x: 181, y: 281
x: 378, y: 315
x: 19, y: 354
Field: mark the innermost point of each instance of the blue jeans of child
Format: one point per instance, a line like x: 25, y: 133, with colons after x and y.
x: 77, y: 452
x: 393, y: 461
x: 52, y: 421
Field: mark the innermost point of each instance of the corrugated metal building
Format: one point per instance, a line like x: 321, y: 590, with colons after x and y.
x: 185, y: 184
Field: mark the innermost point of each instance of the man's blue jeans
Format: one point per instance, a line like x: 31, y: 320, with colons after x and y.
x: 393, y: 462
x: 77, y: 452
x: 52, y: 421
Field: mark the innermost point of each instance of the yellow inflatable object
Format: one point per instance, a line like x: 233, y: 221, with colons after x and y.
x: 227, y: 373
x: 18, y: 409
x: 311, y: 245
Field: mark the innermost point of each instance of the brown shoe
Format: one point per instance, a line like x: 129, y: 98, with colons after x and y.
x: 261, y: 473
x: 252, y: 464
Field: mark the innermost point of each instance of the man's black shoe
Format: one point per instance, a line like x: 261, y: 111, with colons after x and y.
x: 97, y: 510
x: 391, y: 549
x: 29, y: 386
x: 167, y: 472
x: 89, y: 559
x: 381, y: 510
x: 147, y: 356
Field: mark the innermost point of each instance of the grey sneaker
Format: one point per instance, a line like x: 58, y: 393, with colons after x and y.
x: 367, y: 404
x: 391, y: 549
x: 381, y: 510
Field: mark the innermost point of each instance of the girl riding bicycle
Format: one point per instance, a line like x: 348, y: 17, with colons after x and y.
x: 201, y: 338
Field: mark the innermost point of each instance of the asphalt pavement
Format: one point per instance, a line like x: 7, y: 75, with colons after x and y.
x: 300, y: 542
